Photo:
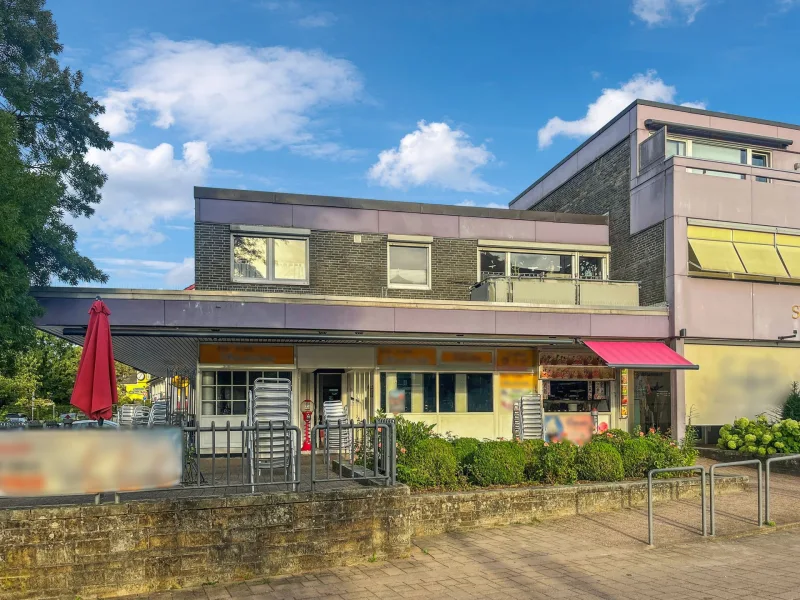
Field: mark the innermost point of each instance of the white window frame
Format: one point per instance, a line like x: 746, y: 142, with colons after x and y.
x: 750, y: 150
x: 576, y: 255
x: 270, y: 279
x: 407, y: 286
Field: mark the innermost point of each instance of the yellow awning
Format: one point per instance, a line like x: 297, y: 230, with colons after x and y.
x: 791, y: 258
x: 761, y: 259
x: 716, y: 256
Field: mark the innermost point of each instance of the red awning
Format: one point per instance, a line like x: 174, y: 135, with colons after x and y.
x: 639, y: 355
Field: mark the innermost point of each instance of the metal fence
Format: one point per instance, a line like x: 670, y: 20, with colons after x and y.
x: 355, y: 451
x: 769, y: 463
x: 738, y: 463
x: 650, y: 533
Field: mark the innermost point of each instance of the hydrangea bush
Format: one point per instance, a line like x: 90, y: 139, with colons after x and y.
x: 760, y: 438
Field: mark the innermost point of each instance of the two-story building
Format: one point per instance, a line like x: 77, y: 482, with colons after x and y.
x: 445, y: 314
x: 703, y: 211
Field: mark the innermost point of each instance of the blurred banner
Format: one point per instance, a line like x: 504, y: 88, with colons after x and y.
x: 60, y: 463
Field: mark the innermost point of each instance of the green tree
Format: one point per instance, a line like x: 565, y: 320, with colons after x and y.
x: 791, y: 408
x: 47, y: 125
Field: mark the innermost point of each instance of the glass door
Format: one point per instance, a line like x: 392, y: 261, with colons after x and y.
x: 652, y: 400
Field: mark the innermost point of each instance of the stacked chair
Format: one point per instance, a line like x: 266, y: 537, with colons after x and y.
x: 333, y: 413
x: 530, y: 423
x: 158, y: 414
x: 271, y: 447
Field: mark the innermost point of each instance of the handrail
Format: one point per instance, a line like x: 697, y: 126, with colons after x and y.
x: 769, y: 462
x: 737, y: 463
x: 650, y: 496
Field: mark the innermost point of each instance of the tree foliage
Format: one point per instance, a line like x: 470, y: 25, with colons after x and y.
x: 47, y: 125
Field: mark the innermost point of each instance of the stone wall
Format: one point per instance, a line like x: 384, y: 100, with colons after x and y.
x: 339, y: 266
x: 140, y: 547
x: 603, y: 187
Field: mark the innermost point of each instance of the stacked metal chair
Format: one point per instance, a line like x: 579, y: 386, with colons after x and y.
x: 158, y: 414
x: 126, y: 414
x: 334, y: 413
x: 273, y: 445
x: 516, y: 425
x: 141, y: 415
x: 531, y: 417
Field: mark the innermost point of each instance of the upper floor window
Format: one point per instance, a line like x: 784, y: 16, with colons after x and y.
x: 409, y: 266
x: 270, y: 259
x: 495, y: 263
x: 720, y: 152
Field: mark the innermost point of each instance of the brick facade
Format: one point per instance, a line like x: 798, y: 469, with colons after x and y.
x: 604, y: 187
x: 340, y: 266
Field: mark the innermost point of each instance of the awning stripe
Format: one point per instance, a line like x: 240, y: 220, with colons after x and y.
x: 639, y: 355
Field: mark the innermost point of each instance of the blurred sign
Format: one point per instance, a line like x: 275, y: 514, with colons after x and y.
x: 396, y: 355
x: 514, y: 386
x: 246, y: 354
x: 88, y: 461
x: 466, y: 357
x: 397, y: 401
x: 515, y: 359
x: 575, y: 427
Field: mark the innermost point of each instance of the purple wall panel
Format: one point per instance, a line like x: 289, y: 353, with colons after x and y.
x: 535, y: 323
x: 428, y: 320
x: 245, y: 213
x: 342, y: 318
x: 418, y: 224
x: 630, y: 326
x: 571, y: 233
x: 224, y: 314
x: 335, y: 219
x: 74, y: 312
x: 497, y: 229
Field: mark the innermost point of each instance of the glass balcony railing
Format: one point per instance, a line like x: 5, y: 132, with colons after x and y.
x: 568, y: 292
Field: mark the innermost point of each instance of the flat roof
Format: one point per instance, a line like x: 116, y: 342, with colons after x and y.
x: 395, y: 206
x: 676, y: 107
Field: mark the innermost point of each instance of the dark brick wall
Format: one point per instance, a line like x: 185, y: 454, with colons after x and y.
x: 341, y: 267
x: 604, y: 187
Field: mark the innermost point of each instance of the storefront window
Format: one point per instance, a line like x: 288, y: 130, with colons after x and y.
x: 417, y: 392
x: 225, y: 392
x: 576, y: 396
x: 652, y: 400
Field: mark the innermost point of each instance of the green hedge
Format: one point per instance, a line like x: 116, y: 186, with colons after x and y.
x: 464, y: 449
x: 498, y: 463
x: 558, y: 463
x: 599, y: 461
x: 431, y: 463
x: 534, y: 455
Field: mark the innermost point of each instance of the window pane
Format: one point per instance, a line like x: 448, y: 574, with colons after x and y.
x: 240, y: 378
x: 479, y: 392
x: 250, y: 257
x: 224, y: 377
x: 239, y: 408
x: 240, y: 392
x: 759, y: 160
x: 546, y: 265
x: 493, y: 263
x: 714, y: 152
x: 252, y: 376
x: 674, y: 147
x: 289, y: 259
x: 223, y: 393
x: 383, y: 392
x: 429, y: 392
x: 223, y: 408
x: 408, y: 265
x: 590, y: 267
x: 447, y: 392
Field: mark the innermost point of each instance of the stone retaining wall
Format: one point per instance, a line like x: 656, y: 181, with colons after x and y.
x: 139, y: 547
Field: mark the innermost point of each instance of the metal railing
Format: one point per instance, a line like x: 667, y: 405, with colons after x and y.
x: 650, y: 496
x: 769, y: 462
x: 530, y: 289
x: 738, y: 463
x: 355, y: 451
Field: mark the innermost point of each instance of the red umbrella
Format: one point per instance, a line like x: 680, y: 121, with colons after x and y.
x: 96, y: 383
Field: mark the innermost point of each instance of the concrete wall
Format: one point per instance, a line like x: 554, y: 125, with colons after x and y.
x: 604, y: 187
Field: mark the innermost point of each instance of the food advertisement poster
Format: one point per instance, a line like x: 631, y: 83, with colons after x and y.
x: 575, y: 427
x: 513, y: 386
x: 623, y: 395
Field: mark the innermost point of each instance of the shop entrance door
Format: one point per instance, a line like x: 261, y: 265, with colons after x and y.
x: 329, y: 389
x: 359, y: 394
x: 652, y: 400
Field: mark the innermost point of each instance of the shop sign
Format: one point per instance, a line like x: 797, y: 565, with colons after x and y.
x: 575, y: 427
x: 515, y: 359
x: 404, y: 356
x: 465, y: 357
x: 33, y: 463
x: 513, y: 386
x: 623, y: 393
x: 246, y: 354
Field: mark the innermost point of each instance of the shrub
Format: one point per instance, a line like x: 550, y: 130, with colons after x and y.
x: 791, y: 408
x: 464, y: 449
x: 615, y: 437
x: 498, y: 463
x: 558, y: 463
x: 410, y: 433
x: 534, y: 457
x: 599, y: 461
x: 636, y: 457
x: 430, y: 463
x: 759, y: 438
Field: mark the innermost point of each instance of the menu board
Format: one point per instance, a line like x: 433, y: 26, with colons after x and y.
x: 574, y: 366
x: 623, y: 393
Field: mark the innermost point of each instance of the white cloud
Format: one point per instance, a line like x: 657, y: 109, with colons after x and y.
x: 661, y: 12
x: 481, y: 205
x: 324, y: 19
x: 233, y: 96
x: 700, y: 105
x: 433, y: 154
x: 173, y: 274
x: 647, y: 86
x: 145, y: 187
x: 596, y: 75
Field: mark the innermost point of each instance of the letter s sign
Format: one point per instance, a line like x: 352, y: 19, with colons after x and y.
x: 796, y: 311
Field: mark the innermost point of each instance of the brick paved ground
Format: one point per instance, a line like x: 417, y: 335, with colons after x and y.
x: 591, y: 556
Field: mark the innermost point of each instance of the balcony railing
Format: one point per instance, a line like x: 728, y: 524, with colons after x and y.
x: 568, y: 292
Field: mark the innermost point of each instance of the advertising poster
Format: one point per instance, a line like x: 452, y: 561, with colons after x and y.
x: 513, y: 386
x: 397, y: 401
x: 623, y: 394
x: 575, y: 427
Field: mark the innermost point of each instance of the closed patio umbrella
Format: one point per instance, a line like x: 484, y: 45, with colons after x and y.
x: 96, y: 382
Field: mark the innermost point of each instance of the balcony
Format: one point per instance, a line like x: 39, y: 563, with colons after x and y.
x: 563, y: 292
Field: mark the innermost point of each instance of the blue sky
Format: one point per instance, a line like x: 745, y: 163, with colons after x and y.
x: 457, y: 102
